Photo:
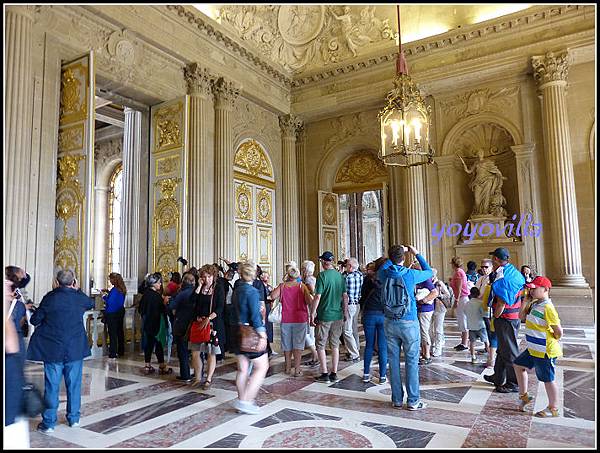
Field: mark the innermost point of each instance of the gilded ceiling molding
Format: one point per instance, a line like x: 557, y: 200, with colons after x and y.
x: 450, y: 38
x: 216, y: 35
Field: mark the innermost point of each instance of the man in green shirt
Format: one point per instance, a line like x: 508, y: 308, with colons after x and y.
x: 328, y: 313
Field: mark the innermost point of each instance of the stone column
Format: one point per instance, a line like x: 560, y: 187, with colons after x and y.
x: 415, y: 208
x: 100, y: 235
x: 303, y: 227
x: 526, y: 180
x: 17, y: 127
x: 130, y: 202
x: 550, y: 72
x: 225, y: 96
x: 290, y: 126
x: 200, y: 189
x: 445, y: 168
x: 395, y: 204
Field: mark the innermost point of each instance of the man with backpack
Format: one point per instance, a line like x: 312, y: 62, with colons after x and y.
x: 401, y: 324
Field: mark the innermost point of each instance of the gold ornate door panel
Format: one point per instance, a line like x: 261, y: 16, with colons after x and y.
x: 329, y: 222
x: 168, y: 184
x: 75, y: 178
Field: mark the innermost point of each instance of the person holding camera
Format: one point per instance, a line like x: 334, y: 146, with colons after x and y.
x: 60, y: 341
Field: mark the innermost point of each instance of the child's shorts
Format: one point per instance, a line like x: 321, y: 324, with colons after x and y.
x: 481, y: 334
x: 544, y: 368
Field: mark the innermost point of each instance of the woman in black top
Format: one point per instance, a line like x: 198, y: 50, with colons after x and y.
x: 372, y: 307
x: 206, y: 294
x: 153, y: 310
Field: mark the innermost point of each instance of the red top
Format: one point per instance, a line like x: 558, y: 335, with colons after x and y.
x: 459, y: 284
x: 294, y: 308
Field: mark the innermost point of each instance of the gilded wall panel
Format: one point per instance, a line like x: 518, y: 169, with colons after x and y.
x: 243, y: 201
x: 74, y: 90
x: 264, y: 206
x: 168, y: 127
x: 71, y: 138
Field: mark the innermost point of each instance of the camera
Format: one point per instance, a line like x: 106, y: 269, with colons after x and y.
x: 182, y: 260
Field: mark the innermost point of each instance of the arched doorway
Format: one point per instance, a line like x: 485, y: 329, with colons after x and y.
x: 254, y: 205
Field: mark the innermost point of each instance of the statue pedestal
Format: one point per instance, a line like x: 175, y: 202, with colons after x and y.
x: 480, y: 249
x: 486, y: 229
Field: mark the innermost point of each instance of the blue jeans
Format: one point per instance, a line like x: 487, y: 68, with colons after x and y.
x: 373, y: 325
x: 53, y: 371
x: 405, y: 335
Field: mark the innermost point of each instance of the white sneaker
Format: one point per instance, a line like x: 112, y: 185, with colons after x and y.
x: 366, y: 378
x: 247, y: 407
x: 416, y: 407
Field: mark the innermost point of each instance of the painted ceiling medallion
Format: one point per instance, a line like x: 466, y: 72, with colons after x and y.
x: 300, y: 24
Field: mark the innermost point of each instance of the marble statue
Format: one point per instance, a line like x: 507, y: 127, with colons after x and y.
x: 486, y: 185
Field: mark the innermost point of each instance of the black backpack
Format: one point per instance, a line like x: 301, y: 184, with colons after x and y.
x: 395, y: 298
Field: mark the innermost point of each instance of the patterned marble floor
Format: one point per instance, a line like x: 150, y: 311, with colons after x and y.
x: 122, y: 408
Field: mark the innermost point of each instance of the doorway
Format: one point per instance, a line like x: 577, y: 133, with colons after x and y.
x: 362, y: 225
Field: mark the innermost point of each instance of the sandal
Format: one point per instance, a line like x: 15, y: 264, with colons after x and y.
x: 165, y: 370
x: 206, y: 385
x: 548, y: 412
x: 298, y: 373
x: 148, y: 369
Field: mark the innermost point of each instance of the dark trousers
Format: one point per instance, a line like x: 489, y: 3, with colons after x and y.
x: 153, y: 343
x: 507, y: 332
x: 14, y: 380
x: 184, y: 357
x: 116, y: 333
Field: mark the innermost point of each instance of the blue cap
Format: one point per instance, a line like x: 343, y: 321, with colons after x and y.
x: 501, y: 253
x: 326, y: 256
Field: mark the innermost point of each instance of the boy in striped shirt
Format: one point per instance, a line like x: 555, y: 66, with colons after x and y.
x: 543, y: 330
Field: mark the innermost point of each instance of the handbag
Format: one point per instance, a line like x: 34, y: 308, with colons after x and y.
x: 250, y: 340
x: 33, y: 403
x: 200, y: 330
x: 275, y: 314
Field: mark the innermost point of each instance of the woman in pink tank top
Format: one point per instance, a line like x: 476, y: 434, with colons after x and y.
x: 294, y: 298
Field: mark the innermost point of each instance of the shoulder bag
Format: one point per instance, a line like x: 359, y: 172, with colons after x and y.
x: 250, y: 339
x: 200, y: 330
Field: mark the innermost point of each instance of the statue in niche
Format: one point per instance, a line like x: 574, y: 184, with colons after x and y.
x: 486, y: 185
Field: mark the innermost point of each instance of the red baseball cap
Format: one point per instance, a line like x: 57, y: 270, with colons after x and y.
x: 540, y: 281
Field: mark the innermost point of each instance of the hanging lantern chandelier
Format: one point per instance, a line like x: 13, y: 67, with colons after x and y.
x: 405, y: 121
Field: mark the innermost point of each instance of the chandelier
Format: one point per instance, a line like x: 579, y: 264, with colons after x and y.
x: 405, y: 120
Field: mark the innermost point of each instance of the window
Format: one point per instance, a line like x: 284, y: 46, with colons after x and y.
x: 114, y: 219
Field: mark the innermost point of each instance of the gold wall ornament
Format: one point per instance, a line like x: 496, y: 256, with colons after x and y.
x: 68, y: 204
x: 167, y: 165
x: 71, y: 138
x: 362, y: 167
x: 168, y: 124
x: 66, y: 251
x: 250, y: 157
x: 73, y: 99
x: 165, y: 261
x: 329, y: 210
x: 167, y: 214
x: 243, y: 196
x: 263, y: 206
x: 167, y: 186
x: 68, y: 167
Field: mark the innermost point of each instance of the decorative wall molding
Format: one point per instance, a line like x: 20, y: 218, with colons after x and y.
x: 256, y: 121
x: 106, y: 152
x: 349, y: 126
x: 360, y: 168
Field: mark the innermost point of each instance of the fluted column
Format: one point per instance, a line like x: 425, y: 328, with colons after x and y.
x: 445, y: 168
x: 130, y: 204
x: 415, y: 208
x: 550, y: 72
x: 290, y: 126
x: 201, y: 139
x: 225, y: 96
x: 17, y: 129
x: 301, y: 163
x: 100, y: 234
x: 396, y: 206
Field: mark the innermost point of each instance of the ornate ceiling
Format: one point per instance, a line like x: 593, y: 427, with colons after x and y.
x: 302, y: 39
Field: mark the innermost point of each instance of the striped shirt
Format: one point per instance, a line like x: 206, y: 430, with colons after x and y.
x: 538, y: 334
x: 354, y: 281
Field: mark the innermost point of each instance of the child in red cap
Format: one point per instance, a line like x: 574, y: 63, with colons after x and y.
x: 543, y: 331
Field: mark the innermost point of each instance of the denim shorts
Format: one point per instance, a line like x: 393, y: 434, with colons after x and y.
x: 481, y: 334
x: 544, y: 368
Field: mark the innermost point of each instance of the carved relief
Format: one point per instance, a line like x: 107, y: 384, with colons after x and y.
x: 346, y: 127
x: 329, y: 210
x: 252, y: 159
x: 550, y: 67
x: 478, y: 101
x: 243, y: 196
x: 166, y: 257
x: 70, y: 138
x: 301, y: 36
x: 263, y: 206
x: 168, y: 123
x: 167, y: 214
x: 360, y: 168
x: 255, y: 120
x: 492, y: 138
x: 167, y: 165
x: 66, y: 252
x: 73, y: 102
x: 106, y: 152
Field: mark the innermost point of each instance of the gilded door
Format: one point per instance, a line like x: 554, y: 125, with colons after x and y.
x: 168, y: 184
x: 329, y: 236
x: 75, y: 179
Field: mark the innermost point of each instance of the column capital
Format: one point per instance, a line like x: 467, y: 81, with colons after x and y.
x: 550, y: 68
x: 225, y: 92
x: 198, y: 79
x: 290, y: 125
x: 523, y: 151
x: 445, y: 162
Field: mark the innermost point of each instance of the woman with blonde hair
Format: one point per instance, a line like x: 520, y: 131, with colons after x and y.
x: 114, y: 313
x: 307, y: 270
x: 294, y: 298
x: 248, y: 307
x: 209, y: 300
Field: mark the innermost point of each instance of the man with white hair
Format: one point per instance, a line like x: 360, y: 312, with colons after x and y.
x: 354, y: 281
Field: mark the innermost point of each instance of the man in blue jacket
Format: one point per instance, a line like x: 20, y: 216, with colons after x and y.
x: 60, y: 341
x: 404, y: 332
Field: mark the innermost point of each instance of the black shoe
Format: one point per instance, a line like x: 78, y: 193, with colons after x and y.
x: 356, y: 360
x: 512, y: 388
x: 324, y: 377
x: 489, y: 378
x: 333, y: 377
x: 503, y: 389
x: 460, y: 347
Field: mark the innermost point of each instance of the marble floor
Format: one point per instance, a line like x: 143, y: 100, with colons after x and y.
x: 122, y: 408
